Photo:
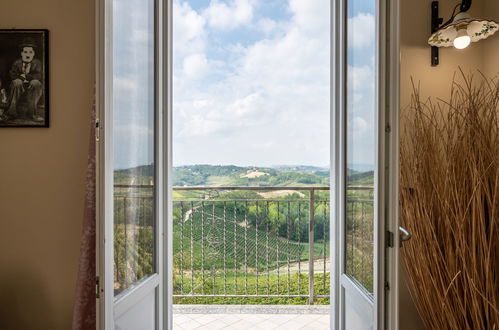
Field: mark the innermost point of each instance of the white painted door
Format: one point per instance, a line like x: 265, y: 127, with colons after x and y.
x: 131, y: 149
x: 365, y: 139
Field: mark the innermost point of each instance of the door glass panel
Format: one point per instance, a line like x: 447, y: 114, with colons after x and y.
x: 133, y: 134
x: 361, y: 139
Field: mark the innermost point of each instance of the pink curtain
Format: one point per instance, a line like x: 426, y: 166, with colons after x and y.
x: 84, y: 310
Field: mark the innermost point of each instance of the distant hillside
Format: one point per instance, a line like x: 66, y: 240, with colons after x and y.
x: 232, y: 176
x: 136, y: 175
x: 361, y: 167
x: 218, y: 175
x: 361, y: 178
x: 300, y: 168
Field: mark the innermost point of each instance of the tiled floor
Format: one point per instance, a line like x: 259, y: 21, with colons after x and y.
x: 251, y: 321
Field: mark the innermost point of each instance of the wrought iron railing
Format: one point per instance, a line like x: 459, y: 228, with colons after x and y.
x: 252, y: 242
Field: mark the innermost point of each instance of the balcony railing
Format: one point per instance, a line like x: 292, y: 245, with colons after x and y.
x: 249, y: 242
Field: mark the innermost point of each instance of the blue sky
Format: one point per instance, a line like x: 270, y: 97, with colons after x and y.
x: 251, y: 82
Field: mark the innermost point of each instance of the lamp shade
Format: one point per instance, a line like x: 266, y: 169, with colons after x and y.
x: 476, y: 29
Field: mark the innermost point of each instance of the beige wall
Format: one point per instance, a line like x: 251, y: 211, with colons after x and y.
x: 415, y: 52
x: 42, y: 173
x: 435, y: 81
x: 491, y: 45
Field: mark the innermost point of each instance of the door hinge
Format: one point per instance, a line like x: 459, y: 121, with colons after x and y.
x: 97, y: 130
x: 97, y: 286
x: 389, y: 238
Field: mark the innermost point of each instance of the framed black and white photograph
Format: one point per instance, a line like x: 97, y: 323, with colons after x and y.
x: 24, y: 83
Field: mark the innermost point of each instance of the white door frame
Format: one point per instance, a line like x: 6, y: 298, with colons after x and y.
x: 392, y: 129
x: 108, y: 309
x: 167, y: 83
x: 386, y: 258
x: 391, y: 55
x: 104, y: 182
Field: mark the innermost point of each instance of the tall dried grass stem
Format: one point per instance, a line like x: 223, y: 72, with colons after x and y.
x: 450, y: 203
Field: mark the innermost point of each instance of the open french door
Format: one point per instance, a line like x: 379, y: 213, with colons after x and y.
x: 132, y: 149
x: 365, y: 145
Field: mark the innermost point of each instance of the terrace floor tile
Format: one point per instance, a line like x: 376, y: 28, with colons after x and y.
x: 250, y: 321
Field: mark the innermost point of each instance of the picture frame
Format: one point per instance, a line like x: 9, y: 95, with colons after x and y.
x: 24, y: 78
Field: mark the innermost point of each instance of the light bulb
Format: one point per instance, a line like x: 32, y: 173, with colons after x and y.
x: 462, y: 40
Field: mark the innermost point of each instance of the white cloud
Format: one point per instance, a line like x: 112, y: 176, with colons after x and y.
x: 359, y: 125
x: 133, y: 145
x: 272, y: 94
x: 188, y: 29
x: 246, y: 106
x: 311, y: 15
x: 195, y: 66
x: 222, y: 15
x: 360, y: 77
x: 362, y: 30
x: 124, y: 85
x: 361, y: 110
x: 199, y: 125
x: 203, y: 103
x: 266, y: 25
x: 252, y: 100
x: 131, y: 129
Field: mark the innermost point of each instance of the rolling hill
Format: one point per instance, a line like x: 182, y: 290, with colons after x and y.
x: 233, y: 176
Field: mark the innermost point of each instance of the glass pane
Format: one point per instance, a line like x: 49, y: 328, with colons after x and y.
x: 133, y: 120
x: 361, y: 139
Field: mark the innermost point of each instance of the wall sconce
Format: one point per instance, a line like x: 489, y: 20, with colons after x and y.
x: 459, y: 31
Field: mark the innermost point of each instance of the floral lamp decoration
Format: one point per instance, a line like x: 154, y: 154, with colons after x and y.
x: 460, y: 30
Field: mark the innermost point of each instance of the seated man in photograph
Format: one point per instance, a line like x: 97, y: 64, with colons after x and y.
x: 26, y: 74
x: 4, y: 102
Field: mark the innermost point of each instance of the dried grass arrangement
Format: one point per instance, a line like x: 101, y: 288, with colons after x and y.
x: 450, y: 203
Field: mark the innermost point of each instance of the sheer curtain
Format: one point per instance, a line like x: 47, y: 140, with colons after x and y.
x: 84, y: 311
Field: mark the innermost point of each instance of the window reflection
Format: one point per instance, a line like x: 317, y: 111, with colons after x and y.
x: 133, y: 130
x: 361, y: 139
